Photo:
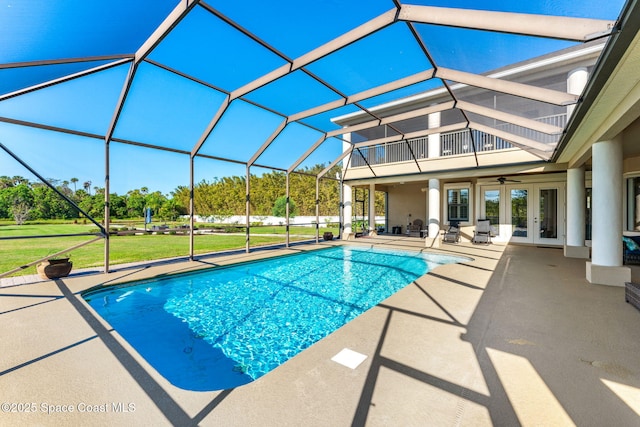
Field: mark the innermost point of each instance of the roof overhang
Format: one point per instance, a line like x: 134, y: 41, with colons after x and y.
x: 611, y: 100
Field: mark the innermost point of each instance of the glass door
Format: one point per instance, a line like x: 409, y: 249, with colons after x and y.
x: 519, y: 213
x: 536, y: 213
x: 548, y: 217
x: 490, y: 208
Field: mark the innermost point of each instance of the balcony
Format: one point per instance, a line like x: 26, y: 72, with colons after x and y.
x: 452, y: 144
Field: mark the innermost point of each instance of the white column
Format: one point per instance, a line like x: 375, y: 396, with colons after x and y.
x: 576, y: 203
x: 433, y: 141
x: 433, y: 195
x: 347, y: 194
x: 607, y: 203
x: 576, y: 81
x: 434, y: 212
x: 372, y: 210
x: 606, y: 264
x: 575, y: 246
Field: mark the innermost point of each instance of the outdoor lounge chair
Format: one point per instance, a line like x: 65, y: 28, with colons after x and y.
x: 452, y: 234
x: 415, y: 229
x: 482, y: 233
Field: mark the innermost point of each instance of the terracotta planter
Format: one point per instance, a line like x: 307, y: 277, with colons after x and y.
x: 54, y: 268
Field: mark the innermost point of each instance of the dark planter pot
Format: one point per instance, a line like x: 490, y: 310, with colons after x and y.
x: 327, y: 235
x: 54, y: 268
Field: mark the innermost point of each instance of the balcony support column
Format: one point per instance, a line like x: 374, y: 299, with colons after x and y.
x: 606, y: 266
x: 576, y: 206
x: 433, y: 239
x: 372, y: 210
x: 347, y: 196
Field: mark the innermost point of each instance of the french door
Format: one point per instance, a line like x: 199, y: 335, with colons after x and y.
x: 535, y: 213
x: 492, y: 208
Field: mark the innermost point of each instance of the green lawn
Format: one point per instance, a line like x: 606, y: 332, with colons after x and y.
x: 44, y: 229
x: 124, y: 249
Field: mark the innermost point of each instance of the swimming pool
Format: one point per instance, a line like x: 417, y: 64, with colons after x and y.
x: 227, y: 326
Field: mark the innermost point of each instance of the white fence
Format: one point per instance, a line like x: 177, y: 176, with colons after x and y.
x: 308, y: 221
x: 302, y: 221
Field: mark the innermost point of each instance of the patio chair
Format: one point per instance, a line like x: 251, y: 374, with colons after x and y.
x: 482, y: 233
x: 452, y: 234
x: 415, y: 229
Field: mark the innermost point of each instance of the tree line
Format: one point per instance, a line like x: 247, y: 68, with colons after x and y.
x: 22, y: 200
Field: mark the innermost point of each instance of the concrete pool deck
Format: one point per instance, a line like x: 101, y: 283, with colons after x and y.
x: 515, y: 337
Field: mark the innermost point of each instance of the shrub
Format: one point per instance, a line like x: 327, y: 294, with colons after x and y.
x: 280, y: 207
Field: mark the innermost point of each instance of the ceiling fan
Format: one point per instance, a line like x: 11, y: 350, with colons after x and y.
x: 502, y: 180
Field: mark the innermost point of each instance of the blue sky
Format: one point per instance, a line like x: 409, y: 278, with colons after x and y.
x: 165, y: 109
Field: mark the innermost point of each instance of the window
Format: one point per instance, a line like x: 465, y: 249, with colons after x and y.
x: 588, y: 215
x: 492, y: 206
x: 633, y: 204
x: 458, y: 204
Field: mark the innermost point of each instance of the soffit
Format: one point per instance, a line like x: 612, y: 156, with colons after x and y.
x: 616, y: 106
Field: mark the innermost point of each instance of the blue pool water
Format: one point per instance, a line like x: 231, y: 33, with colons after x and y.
x: 224, y: 327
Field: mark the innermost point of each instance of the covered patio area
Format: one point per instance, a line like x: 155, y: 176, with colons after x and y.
x: 516, y: 336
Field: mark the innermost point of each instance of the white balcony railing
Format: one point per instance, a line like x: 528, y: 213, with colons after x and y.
x: 452, y: 143
x: 390, y: 153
